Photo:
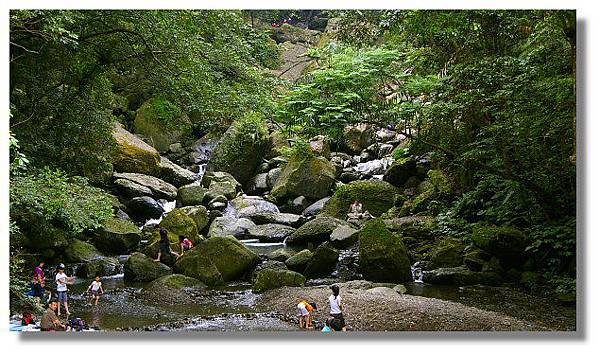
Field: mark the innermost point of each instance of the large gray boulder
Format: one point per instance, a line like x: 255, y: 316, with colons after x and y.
x: 316, y: 207
x: 311, y: 177
x: 159, y: 188
x: 288, y: 219
x: 343, y: 237
x: 270, y: 278
x: 174, y: 174
x: 270, y: 233
x: 144, y: 207
x: 224, y: 226
x: 315, y: 231
x: 133, y: 155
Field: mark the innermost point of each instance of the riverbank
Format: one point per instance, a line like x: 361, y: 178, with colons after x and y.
x: 383, y: 309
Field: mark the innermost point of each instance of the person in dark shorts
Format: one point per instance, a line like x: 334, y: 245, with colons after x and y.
x: 335, y: 305
x: 50, y: 321
x: 96, y: 289
x: 164, y: 245
x: 39, y: 281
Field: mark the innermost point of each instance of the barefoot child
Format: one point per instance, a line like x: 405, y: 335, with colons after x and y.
x: 96, y: 289
x: 61, y: 288
x: 304, y: 310
x: 335, y: 305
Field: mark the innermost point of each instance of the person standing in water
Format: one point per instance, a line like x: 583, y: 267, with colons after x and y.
x: 61, y: 288
x: 335, y: 305
x: 96, y: 289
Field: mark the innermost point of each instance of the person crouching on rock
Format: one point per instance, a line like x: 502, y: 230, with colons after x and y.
x: 164, y: 245
x: 185, y: 244
x: 304, y: 310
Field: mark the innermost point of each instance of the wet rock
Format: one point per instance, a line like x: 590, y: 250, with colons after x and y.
x: 315, y: 208
x: 272, y: 177
x: 309, y: 177
x: 171, y: 289
x: 117, y: 236
x: 298, y: 261
x: 142, y: 268
x: 270, y: 278
x: 323, y: 261
x: 376, y: 197
x: 224, y: 226
x: 349, y: 176
x: 174, y: 174
x: 270, y: 233
x: 383, y: 256
x: 133, y: 155
x: 315, y: 231
x: 159, y: 188
x: 144, y: 207
x: 218, y: 203
x: 102, y: 266
x: 343, y: 237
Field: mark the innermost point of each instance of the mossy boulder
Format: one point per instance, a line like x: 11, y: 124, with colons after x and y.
x: 171, y: 289
x: 190, y: 195
x: 270, y: 278
x: 102, y: 266
x: 400, y: 171
x: 241, y: 149
x: 446, y: 253
x: 199, y: 214
x: 198, y: 265
x: 343, y: 237
x: 162, y: 122
x: 133, y: 155
x: 311, y: 177
x: 461, y: 276
x: 142, y: 268
x: 298, y: 261
x: 153, y: 245
x: 323, y: 261
x: 315, y: 231
x: 281, y: 254
x: 79, y: 251
x: 376, y: 197
x: 178, y: 222
x: 232, y: 258
x: 506, y: 243
x: 117, y: 236
x: 221, y: 188
x: 383, y: 256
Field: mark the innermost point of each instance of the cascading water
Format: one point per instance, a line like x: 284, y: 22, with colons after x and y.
x: 417, y: 272
x: 167, y: 206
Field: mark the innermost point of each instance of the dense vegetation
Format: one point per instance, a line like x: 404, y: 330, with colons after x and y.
x: 489, y: 96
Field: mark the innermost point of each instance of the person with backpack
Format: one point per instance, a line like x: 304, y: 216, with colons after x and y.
x: 305, y: 308
x: 164, y: 245
x: 335, y: 305
x: 185, y: 244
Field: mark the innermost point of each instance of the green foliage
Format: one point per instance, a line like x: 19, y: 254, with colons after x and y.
x: 342, y: 93
x: 164, y: 111
x: 52, y: 196
x: 554, y: 244
x: 300, y: 148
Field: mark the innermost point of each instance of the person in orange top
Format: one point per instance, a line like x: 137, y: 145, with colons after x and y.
x: 305, y: 308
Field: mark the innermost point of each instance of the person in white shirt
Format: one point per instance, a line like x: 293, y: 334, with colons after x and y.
x: 96, y: 289
x: 335, y: 305
x: 61, y: 288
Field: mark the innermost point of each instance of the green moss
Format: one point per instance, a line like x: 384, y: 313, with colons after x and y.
x: 162, y: 122
x: 140, y: 267
x: 506, y: 243
x: 376, y: 196
x: 446, y: 253
x: 311, y: 177
x: 175, y: 281
x: 383, y: 256
x: 179, y: 223
x: 197, y: 265
x: 80, y: 251
x: 231, y: 258
x: 323, y: 261
x: 269, y: 278
x: 298, y: 261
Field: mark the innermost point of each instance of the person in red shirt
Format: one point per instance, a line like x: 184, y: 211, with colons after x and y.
x: 39, y: 281
x: 185, y: 244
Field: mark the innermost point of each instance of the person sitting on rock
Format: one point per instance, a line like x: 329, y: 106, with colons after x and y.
x: 50, y: 321
x: 164, y: 245
x: 304, y: 310
x: 356, y: 212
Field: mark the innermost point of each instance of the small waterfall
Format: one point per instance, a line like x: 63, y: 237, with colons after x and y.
x: 417, y: 272
x: 201, y: 172
x: 167, y: 206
